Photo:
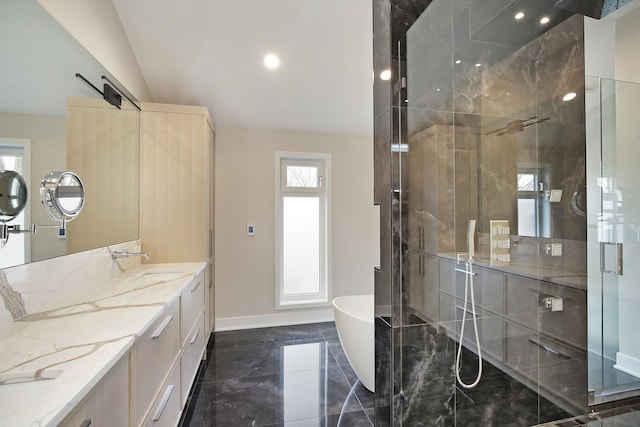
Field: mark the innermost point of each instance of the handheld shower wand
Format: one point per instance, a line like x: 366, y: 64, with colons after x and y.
x: 468, y: 288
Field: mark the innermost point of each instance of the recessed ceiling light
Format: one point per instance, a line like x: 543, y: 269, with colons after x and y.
x: 519, y: 15
x: 569, y: 96
x: 458, y: 61
x: 545, y: 20
x: 271, y: 61
x: 385, y: 75
x: 478, y: 64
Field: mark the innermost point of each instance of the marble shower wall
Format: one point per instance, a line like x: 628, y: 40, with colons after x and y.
x: 508, y: 114
x: 382, y: 197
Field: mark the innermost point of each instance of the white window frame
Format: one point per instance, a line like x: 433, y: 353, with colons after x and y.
x: 322, y: 298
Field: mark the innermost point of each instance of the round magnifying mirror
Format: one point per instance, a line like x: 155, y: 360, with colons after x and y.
x: 62, y: 195
x: 13, y: 195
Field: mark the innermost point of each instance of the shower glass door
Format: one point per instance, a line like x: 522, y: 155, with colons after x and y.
x: 613, y: 182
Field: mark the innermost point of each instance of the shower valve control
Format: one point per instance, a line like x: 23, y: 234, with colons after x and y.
x: 553, y: 249
x: 553, y: 303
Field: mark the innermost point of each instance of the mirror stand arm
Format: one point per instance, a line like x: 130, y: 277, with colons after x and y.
x: 6, y: 230
x: 17, y: 229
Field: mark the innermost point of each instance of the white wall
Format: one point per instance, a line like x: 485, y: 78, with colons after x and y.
x: 245, y: 266
x: 599, y: 47
x: 96, y: 25
x: 627, y: 39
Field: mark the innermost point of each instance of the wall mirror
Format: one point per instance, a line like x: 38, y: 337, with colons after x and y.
x: 62, y: 195
x: 13, y: 195
x: 52, y: 121
x: 507, y: 132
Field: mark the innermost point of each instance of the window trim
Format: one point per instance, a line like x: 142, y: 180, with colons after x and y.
x: 322, y: 298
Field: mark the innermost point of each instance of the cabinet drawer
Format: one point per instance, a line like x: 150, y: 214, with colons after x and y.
x: 559, y: 370
x: 525, y: 305
x: 191, y: 356
x: 570, y: 324
x: 114, y: 389
x: 191, y: 304
x: 153, y: 356
x: 446, y: 270
x: 165, y: 411
x: 491, y: 328
x: 488, y: 287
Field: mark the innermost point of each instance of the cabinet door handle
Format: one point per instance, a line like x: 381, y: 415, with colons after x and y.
x: 162, y: 327
x: 194, y: 338
x: 461, y: 308
x: 210, y: 243
x: 549, y: 349
x: 163, y: 403
x: 86, y: 423
x: 196, y: 287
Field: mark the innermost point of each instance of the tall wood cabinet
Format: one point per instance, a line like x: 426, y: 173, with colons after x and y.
x: 177, y: 189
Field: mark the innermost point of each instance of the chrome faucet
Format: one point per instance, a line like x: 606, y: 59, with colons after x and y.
x: 126, y: 254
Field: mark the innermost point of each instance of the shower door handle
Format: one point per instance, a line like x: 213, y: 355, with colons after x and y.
x: 618, y: 270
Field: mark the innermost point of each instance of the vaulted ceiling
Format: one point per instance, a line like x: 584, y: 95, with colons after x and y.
x: 210, y: 52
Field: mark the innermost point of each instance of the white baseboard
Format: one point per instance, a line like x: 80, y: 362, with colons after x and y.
x: 628, y: 364
x: 277, y: 319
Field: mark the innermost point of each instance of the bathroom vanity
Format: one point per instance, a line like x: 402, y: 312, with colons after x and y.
x: 133, y: 339
x: 531, y: 321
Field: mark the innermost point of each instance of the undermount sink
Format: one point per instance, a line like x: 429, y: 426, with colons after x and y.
x: 157, y: 275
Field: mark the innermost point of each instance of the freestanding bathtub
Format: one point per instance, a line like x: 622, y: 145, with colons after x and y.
x: 354, y: 322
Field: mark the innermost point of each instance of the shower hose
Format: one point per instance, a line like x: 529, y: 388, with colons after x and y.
x: 468, y: 288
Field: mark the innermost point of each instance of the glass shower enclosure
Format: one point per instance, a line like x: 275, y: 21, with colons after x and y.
x: 613, y: 182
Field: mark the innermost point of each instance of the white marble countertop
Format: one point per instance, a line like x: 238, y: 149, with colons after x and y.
x: 572, y: 279
x: 77, y: 338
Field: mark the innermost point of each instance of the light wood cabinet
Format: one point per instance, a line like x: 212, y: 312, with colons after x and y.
x: 191, y: 356
x: 150, y: 385
x: 154, y: 353
x: 165, y: 358
x: 177, y: 189
x: 166, y: 408
x: 107, y: 404
x: 191, y: 304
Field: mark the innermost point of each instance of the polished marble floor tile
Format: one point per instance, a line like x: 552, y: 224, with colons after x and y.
x: 285, y: 376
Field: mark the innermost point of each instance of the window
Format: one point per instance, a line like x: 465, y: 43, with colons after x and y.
x: 527, y: 204
x: 302, y: 229
x: 533, y: 208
